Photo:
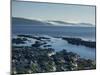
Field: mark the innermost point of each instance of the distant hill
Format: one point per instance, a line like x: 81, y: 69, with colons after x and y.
x: 86, y: 24
x: 70, y: 24
x: 23, y: 21
x: 62, y: 22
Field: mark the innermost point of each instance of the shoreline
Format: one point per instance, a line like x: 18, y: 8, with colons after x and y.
x: 69, y: 39
x: 45, y: 41
x: 36, y: 54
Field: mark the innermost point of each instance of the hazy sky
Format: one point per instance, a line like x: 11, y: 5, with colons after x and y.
x: 50, y: 11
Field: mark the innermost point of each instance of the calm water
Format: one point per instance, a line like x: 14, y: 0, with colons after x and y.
x: 57, y: 31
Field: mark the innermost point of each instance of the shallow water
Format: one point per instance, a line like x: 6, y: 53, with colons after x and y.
x: 84, y: 52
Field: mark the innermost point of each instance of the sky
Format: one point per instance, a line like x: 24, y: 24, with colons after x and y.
x: 53, y: 11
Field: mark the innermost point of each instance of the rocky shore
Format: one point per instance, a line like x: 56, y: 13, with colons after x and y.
x: 33, y: 54
x: 78, y: 41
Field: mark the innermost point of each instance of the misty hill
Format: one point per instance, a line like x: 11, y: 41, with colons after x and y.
x: 86, y: 24
x: 62, y: 22
x: 68, y: 24
x: 23, y: 21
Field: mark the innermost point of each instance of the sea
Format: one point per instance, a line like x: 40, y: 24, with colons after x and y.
x: 87, y: 33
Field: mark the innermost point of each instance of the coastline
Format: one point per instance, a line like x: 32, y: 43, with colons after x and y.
x: 35, y: 54
x: 75, y: 45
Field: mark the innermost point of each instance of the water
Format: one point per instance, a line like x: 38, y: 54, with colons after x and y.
x: 87, y: 33
x: 60, y: 44
x: 56, y: 31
